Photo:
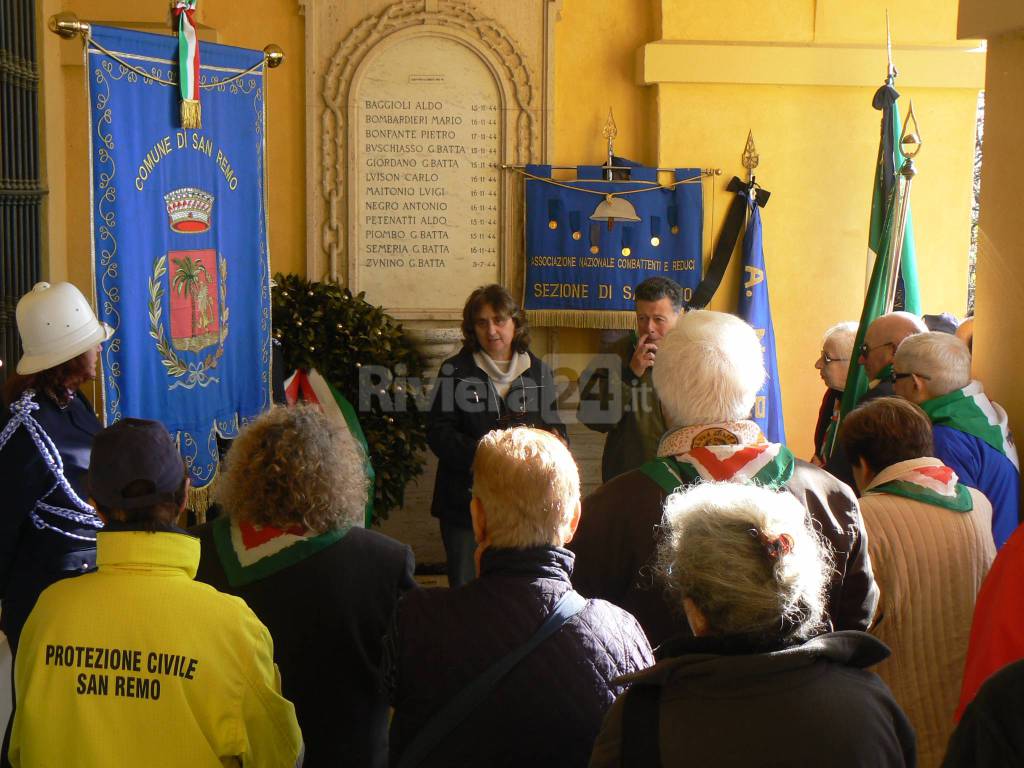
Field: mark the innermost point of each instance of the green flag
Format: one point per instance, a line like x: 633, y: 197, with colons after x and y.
x: 890, y: 160
x: 883, y: 224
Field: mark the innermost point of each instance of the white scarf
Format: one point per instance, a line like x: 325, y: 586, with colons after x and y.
x: 502, y: 380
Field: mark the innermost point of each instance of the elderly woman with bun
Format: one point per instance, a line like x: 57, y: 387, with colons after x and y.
x: 758, y: 683
x: 47, y: 528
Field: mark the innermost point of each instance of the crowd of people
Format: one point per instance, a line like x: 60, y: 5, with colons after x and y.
x: 716, y: 601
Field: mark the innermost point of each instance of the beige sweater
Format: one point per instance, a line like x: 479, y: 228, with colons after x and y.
x: 929, y: 563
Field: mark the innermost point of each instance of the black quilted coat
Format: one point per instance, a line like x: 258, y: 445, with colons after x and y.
x: 546, y: 711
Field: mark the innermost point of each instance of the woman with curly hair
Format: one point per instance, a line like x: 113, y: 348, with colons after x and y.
x: 494, y: 382
x: 292, y: 546
x: 760, y: 681
x: 47, y: 528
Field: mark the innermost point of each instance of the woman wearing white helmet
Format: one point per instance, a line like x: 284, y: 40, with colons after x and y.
x: 47, y: 529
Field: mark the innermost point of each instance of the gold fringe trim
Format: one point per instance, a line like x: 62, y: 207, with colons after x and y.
x: 191, y: 113
x: 201, y: 499
x: 575, y: 318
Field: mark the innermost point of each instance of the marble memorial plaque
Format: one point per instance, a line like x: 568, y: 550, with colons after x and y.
x: 424, y: 149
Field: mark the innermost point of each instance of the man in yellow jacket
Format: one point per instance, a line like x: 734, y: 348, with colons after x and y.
x: 137, y: 664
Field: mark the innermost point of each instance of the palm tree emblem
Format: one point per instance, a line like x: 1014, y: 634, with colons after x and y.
x: 190, y: 280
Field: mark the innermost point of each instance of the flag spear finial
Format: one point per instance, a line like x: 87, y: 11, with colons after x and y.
x: 750, y: 156
x: 891, y: 72
x: 610, y: 131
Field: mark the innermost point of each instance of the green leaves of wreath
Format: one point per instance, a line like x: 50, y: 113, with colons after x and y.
x: 197, y: 373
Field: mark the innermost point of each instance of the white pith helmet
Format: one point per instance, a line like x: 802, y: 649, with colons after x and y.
x: 56, y: 324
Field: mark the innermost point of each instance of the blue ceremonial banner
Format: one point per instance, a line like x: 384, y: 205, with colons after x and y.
x: 581, y: 273
x: 756, y: 310
x: 181, y: 264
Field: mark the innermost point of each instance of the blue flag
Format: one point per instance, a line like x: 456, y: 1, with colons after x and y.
x: 755, y: 308
x: 181, y: 262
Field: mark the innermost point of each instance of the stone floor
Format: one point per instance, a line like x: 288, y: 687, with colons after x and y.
x: 413, y: 525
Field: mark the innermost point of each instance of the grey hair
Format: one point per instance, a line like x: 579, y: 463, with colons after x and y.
x: 711, y: 556
x: 942, y: 357
x: 709, y: 369
x: 845, y: 334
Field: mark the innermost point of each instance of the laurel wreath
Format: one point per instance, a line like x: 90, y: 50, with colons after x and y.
x: 197, y: 373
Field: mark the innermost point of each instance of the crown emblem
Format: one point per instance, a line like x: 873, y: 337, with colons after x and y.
x: 189, y: 209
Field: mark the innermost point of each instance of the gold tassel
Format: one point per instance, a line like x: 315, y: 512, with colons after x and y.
x: 191, y: 113
x: 569, y: 318
x: 201, y: 499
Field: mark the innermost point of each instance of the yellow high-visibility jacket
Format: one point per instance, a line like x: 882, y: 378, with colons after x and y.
x: 139, y: 665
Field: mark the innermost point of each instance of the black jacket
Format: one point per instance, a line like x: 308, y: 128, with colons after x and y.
x: 465, y: 407
x: 31, y: 558
x: 991, y: 731
x: 620, y: 531
x: 548, y: 709
x: 327, y: 615
x: 813, y: 704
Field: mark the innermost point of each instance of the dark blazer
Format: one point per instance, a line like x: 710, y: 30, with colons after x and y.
x: 464, y: 408
x: 327, y: 615
x: 619, y: 533
x: 31, y: 558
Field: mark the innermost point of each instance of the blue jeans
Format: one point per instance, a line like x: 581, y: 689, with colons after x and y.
x: 459, y: 546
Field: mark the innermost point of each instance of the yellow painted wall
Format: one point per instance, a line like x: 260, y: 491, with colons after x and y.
x: 817, y: 143
x: 66, y: 134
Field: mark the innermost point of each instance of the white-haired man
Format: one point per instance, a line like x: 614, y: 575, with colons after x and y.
x: 709, y: 371
x: 881, y: 339
x: 971, y: 433
x: 547, y: 705
x: 833, y: 365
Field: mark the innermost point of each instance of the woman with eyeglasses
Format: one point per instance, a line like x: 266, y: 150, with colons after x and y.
x: 833, y: 364
x: 494, y: 382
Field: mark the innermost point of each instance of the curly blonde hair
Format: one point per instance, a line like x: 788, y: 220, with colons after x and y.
x: 293, y: 465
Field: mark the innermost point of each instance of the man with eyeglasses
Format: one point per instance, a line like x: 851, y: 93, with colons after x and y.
x: 882, y: 338
x: 833, y: 364
x: 971, y: 432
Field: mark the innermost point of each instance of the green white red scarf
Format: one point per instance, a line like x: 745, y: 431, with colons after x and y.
x: 249, y: 553
x: 926, y: 480
x: 734, y: 452
x: 188, y: 64
x: 969, y: 410
x: 312, y: 388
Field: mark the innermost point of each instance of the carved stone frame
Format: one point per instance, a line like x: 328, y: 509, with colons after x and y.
x: 524, y: 93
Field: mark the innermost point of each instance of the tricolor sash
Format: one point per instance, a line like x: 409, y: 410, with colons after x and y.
x: 935, y: 485
x: 769, y: 465
x: 969, y: 410
x: 312, y: 388
x: 249, y: 553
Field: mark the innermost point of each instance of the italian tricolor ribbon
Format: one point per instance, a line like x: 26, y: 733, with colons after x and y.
x: 969, y: 410
x: 188, y: 64
x: 249, y: 553
x: 934, y: 484
x: 310, y: 387
x: 766, y: 464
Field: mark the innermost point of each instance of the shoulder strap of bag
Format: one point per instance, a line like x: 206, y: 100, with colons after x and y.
x: 641, y: 727
x: 466, y: 700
